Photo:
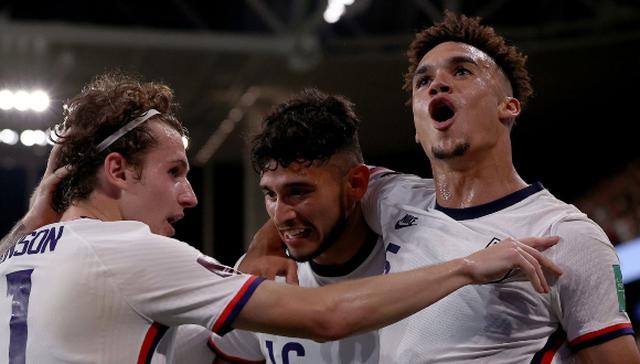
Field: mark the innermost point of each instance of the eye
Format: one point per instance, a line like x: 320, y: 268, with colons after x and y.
x: 175, y: 171
x: 298, y: 192
x: 269, y: 195
x: 461, y: 71
x: 423, y: 81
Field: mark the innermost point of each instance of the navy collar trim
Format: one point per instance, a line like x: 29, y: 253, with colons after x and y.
x: 491, y: 207
x: 339, y: 270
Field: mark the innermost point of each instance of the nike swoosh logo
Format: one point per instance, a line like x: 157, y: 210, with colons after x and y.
x: 403, y: 225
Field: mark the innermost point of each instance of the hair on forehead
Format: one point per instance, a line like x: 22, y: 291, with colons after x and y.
x: 468, y: 30
x: 311, y: 127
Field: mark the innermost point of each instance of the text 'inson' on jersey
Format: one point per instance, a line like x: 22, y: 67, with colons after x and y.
x: 38, y: 242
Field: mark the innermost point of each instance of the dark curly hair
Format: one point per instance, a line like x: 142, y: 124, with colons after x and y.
x: 104, y: 106
x: 310, y: 127
x: 460, y: 28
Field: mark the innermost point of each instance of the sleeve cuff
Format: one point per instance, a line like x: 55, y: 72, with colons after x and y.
x: 600, y: 336
x: 229, y: 314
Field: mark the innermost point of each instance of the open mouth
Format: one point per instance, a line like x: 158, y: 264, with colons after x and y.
x: 173, y: 219
x: 295, y: 233
x: 441, y: 110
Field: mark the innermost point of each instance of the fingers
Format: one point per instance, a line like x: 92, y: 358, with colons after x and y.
x: 545, y: 262
x: 534, y: 263
x: 530, y: 265
x: 53, y: 158
x: 292, y: 273
x: 540, y: 243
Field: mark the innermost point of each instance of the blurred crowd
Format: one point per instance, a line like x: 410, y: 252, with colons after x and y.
x: 615, y: 204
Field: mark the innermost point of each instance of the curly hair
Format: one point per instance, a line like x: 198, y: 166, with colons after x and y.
x: 101, y: 108
x: 460, y: 28
x: 310, y: 127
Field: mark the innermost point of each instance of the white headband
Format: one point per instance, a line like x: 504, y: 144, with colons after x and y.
x: 127, y: 128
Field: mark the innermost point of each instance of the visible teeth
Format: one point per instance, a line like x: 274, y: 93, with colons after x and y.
x: 294, y: 233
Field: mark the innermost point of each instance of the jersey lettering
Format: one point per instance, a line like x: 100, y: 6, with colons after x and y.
x: 289, y: 347
x: 391, y: 248
x: 35, y: 243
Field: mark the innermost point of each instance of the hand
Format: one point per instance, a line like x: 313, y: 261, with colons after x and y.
x: 41, y: 210
x: 525, y: 254
x: 265, y: 256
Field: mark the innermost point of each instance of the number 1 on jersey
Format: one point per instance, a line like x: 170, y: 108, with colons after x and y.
x: 19, y: 288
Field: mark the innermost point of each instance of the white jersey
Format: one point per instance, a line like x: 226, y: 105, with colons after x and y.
x: 87, y: 291
x: 506, y: 322
x: 249, y: 347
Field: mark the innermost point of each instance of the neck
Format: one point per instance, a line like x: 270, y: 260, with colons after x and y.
x: 475, y: 179
x: 96, y: 205
x: 350, y: 241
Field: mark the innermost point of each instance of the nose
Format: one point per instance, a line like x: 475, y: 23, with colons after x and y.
x: 186, y: 197
x: 281, y: 212
x: 439, y: 84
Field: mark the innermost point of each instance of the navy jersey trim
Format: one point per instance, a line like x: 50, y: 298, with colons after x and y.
x: 601, y: 336
x: 152, y: 339
x: 223, y: 324
x: 491, y: 207
x: 339, y: 270
x: 550, y: 348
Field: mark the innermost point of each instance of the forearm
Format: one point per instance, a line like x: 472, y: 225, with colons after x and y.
x: 18, y: 232
x: 343, y: 309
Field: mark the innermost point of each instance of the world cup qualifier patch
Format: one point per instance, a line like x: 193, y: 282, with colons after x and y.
x: 617, y: 274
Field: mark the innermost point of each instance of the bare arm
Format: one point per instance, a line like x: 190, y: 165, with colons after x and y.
x: 338, y: 310
x: 622, y: 349
x: 265, y: 256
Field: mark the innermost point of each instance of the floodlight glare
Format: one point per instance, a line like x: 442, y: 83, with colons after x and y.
x: 6, y: 99
x: 9, y: 136
x: 39, y: 101
x: 21, y: 100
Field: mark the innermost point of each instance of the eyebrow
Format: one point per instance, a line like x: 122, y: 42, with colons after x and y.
x: 289, y: 185
x: 183, y: 163
x: 453, y: 61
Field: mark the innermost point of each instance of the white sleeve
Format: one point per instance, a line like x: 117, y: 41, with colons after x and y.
x: 589, y: 296
x: 191, y: 345
x: 170, y: 282
x: 238, y: 346
x: 387, y: 187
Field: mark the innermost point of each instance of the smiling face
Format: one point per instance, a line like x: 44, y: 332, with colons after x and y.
x: 162, y: 191
x: 459, y: 99
x: 307, y: 204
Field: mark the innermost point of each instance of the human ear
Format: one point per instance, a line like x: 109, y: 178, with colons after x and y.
x: 116, y: 170
x: 358, y: 181
x: 509, y: 108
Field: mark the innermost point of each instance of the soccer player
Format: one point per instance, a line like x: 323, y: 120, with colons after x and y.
x: 312, y: 174
x: 467, y: 88
x: 104, y: 283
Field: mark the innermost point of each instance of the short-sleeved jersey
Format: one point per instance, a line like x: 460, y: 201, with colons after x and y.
x: 249, y: 347
x: 505, y: 322
x: 88, y: 291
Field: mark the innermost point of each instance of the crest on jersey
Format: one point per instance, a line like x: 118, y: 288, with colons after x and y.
x: 406, y: 221
x: 213, y: 266
x: 493, y: 241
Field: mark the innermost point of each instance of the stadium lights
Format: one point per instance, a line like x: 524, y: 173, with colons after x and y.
x: 22, y: 100
x: 27, y: 137
x: 335, y: 9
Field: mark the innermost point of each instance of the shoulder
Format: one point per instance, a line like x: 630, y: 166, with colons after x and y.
x: 399, y: 188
